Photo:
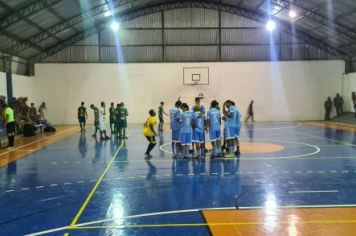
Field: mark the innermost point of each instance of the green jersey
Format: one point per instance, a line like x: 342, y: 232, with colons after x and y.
x: 122, y: 113
x: 160, y: 112
x: 112, y: 113
x: 82, y: 111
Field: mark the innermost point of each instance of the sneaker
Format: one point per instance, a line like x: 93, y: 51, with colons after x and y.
x: 229, y: 155
x: 10, y: 147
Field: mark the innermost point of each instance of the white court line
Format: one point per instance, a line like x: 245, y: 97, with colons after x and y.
x: 36, y: 141
x: 182, y: 211
x: 317, y: 150
x: 314, y: 191
x: 323, y: 138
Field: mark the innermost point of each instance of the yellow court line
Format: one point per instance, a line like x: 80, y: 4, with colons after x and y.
x: 91, y: 194
x: 211, y: 224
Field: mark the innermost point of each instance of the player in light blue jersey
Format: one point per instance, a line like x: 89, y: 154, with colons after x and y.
x: 230, y: 114
x: 213, y: 124
x: 199, y: 123
x: 238, y: 128
x: 174, y: 115
x: 186, y: 129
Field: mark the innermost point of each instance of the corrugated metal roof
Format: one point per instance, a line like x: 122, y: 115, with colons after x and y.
x: 61, y: 20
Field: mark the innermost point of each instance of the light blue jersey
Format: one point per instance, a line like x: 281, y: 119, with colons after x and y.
x: 214, y: 117
x: 186, y: 119
x: 199, y: 121
x: 231, y: 118
x: 174, y: 115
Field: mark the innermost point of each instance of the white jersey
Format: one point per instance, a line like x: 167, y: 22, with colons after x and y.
x: 101, y: 114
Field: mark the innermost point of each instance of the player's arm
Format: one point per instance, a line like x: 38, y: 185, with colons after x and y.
x: 151, y: 126
x: 86, y: 114
x: 164, y: 112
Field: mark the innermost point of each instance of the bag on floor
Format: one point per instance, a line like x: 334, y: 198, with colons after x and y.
x: 49, y: 129
x: 28, y: 130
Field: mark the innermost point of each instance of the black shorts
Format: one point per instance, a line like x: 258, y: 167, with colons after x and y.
x: 151, y: 139
x: 160, y: 119
x: 10, y: 127
x: 81, y: 119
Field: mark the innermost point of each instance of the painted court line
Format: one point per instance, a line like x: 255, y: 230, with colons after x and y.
x: 36, y: 141
x: 91, y: 194
x: 180, y: 211
x: 313, y: 191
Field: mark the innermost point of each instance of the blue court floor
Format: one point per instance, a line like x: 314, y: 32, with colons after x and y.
x: 117, y: 192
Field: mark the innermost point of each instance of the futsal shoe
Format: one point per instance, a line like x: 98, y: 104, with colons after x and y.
x: 229, y: 155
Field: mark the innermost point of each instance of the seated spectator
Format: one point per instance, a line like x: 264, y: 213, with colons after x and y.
x: 34, y: 117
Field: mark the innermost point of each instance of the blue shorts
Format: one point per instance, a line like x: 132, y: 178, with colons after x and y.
x: 237, y: 132
x: 198, y: 137
x: 215, y: 135
x: 230, y: 132
x: 175, y: 136
x: 186, y: 138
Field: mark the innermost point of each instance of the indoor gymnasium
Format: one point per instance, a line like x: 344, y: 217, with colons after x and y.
x: 178, y: 117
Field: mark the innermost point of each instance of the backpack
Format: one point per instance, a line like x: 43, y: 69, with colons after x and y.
x: 28, y: 130
x: 49, y: 129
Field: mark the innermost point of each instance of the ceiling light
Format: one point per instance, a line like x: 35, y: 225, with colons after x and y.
x: 271, y: 25
x: 115, y: 26
x: 292, y: 14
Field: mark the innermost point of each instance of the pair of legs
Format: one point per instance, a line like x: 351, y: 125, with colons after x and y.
x: 96, y: 125
x: 121, y: 128
x: 160, y: 125
x: 250, y: 115
x: 200, y: 147
x: 10, y: 129
x: 112, y: 127
x: 82, y: 123
x: 216, y: 148
x: 151, y: 144
x: 327, y: 114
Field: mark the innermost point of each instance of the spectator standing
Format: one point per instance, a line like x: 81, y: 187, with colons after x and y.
x: 250, y: 113
x: 338, y: 102
x: 328, y: 106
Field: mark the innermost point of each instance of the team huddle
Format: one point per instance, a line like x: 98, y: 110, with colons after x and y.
x: 189, y: 127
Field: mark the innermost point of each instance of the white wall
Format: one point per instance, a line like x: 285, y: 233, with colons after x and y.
x: 23, y: 86
x: 282, y: 90
x: 3, y: 90
x: 349, y: 86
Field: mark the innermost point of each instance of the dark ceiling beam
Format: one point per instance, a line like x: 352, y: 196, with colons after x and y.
x: 81, y: 17
x: 11, y: 18
x: 283, y: 26
x: 24, y: 12
x: 313, y: 15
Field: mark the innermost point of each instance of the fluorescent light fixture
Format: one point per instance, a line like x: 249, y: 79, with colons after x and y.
x: 292, y: 14
x: 107, y: 13
x: 115, y: 26
x: 271, y: 25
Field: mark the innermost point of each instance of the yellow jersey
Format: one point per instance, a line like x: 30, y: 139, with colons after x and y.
x: 151, y: 121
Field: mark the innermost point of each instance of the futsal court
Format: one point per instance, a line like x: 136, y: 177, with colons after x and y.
x: 178, y: 117
x: 302, y: 183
